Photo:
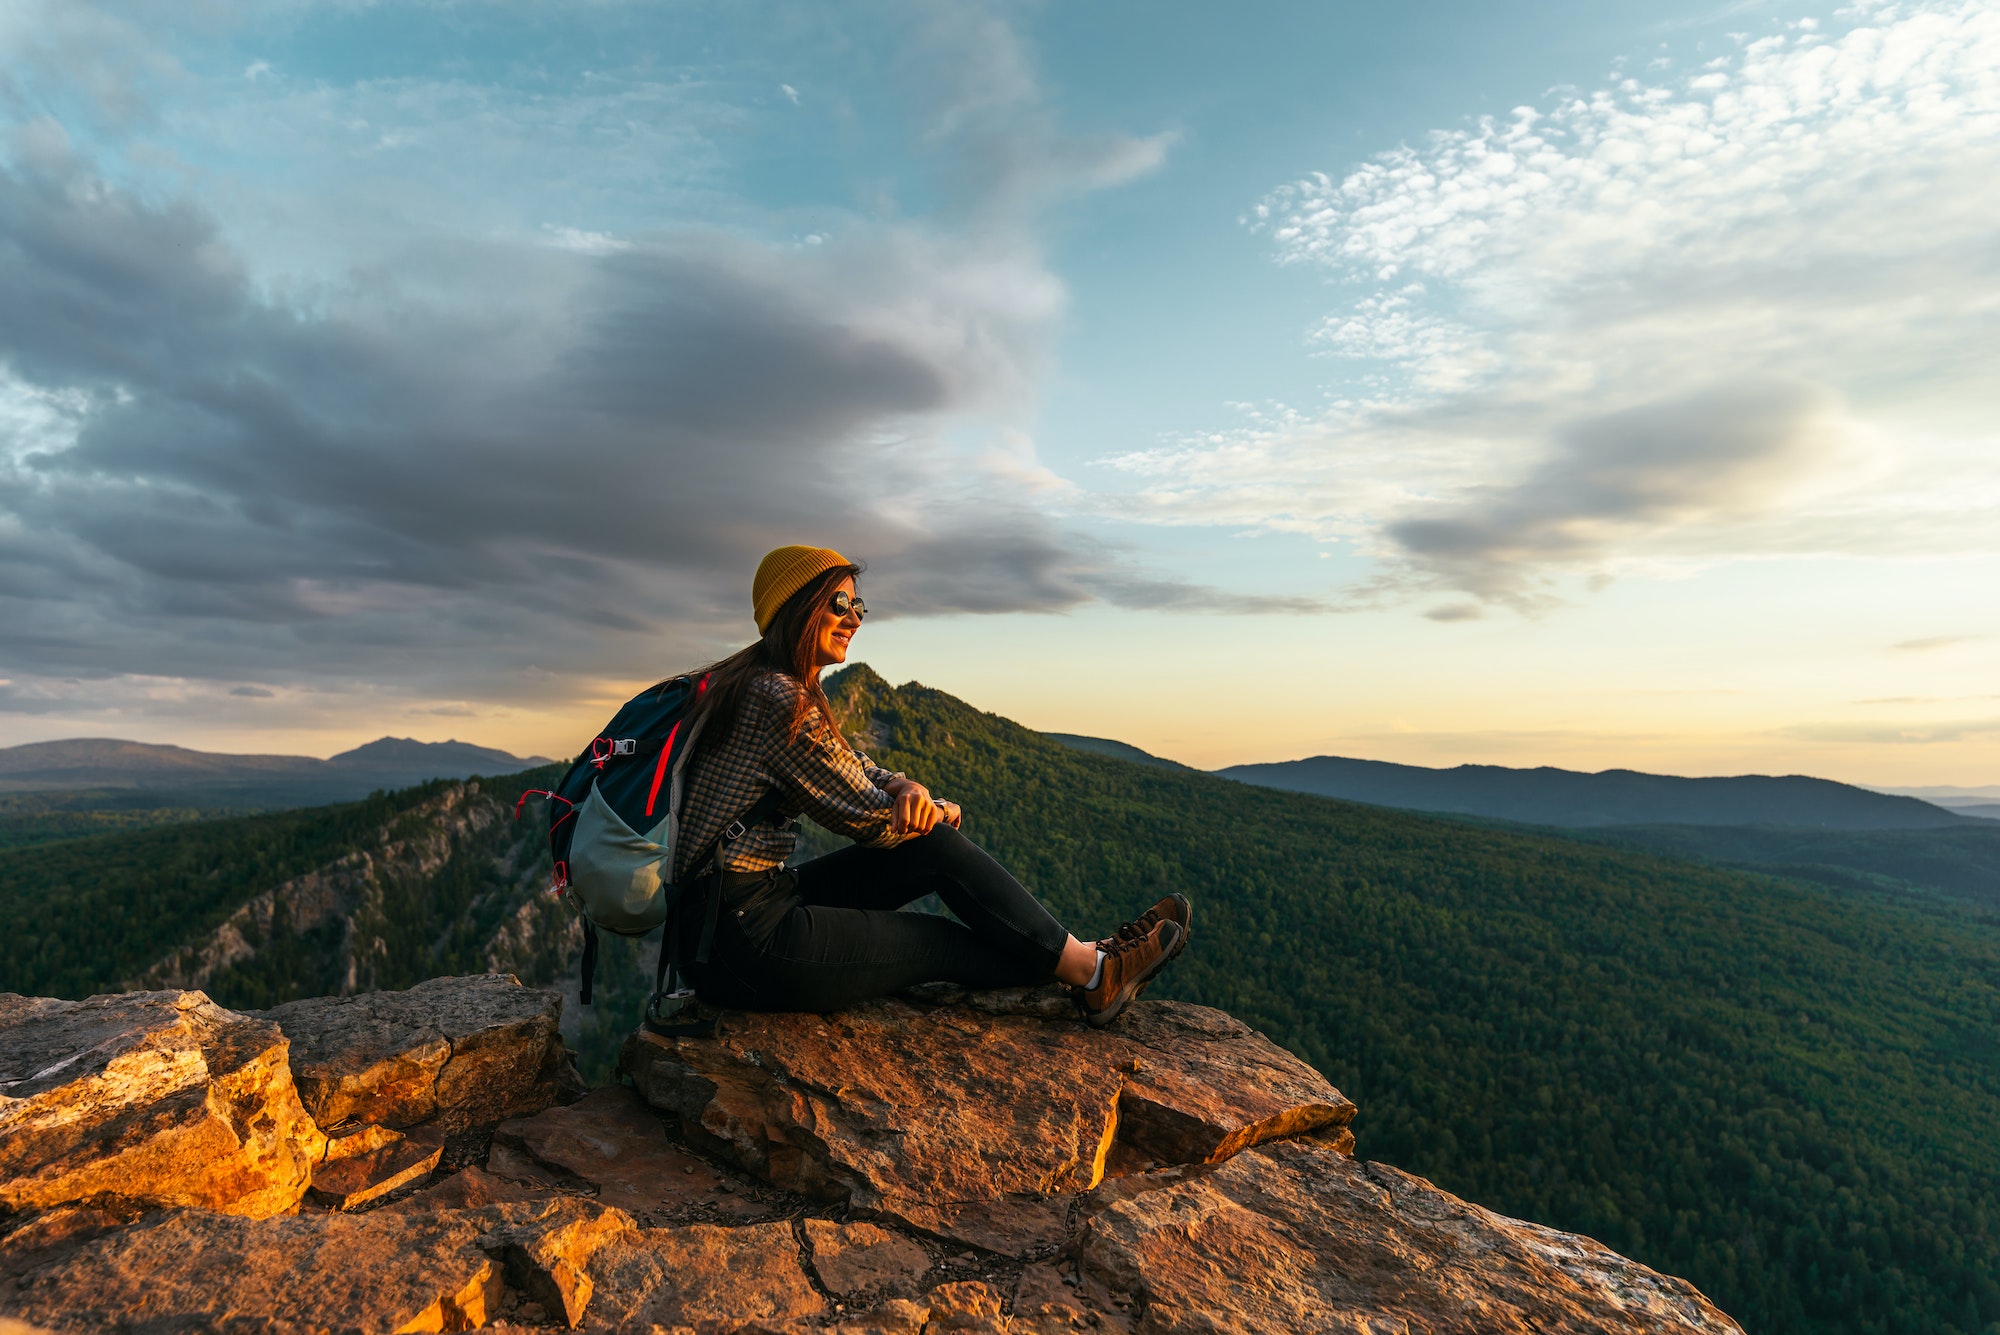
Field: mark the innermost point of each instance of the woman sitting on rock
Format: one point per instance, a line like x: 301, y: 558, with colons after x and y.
x: 827, y: 933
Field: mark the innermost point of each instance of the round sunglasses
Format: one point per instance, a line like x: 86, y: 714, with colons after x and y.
x: 844, y: 602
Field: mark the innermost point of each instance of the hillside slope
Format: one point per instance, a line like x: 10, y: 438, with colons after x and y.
x: 1548, y: 796
x: 1783, y: 1093
x: 1960, y: 863
x: 1105, y: 746
x: 1780, y: 1091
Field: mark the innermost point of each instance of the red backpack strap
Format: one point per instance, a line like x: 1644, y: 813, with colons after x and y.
x: 667, y: 751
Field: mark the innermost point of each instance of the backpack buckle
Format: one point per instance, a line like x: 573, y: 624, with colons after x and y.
x: 625, y: 746
x: 734, y: 830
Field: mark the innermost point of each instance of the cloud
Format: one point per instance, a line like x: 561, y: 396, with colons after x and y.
x: 1455, y: 612
x: 252, y: 692
x: 1003, y: 152
x: 698, y: 398
x: 86, y: 61
x: 487, y: 463
x: 584, y: 242
x: 1647, y: 328
x: 1727, y: 449
x: 1905, y: 734
x: 1930, y: 642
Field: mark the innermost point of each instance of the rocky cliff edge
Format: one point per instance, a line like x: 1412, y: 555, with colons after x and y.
x: 427, y: 1160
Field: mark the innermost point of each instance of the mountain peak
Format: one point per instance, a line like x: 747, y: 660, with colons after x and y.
x: 402, y: 752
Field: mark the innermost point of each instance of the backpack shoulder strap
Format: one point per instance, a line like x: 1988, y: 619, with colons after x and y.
x: 767, y: 807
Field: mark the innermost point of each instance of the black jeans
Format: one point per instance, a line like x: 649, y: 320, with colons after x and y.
x: 827, y: 933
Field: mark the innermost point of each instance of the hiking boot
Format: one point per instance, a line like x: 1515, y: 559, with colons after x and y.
x: 1174, y: 909
x: 1130, y: 962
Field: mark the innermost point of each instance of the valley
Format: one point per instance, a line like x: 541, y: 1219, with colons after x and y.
x: 1782, y: 1089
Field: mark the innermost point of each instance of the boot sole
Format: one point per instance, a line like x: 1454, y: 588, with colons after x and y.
x: 1099, y: 1019
x: 1186, y: 925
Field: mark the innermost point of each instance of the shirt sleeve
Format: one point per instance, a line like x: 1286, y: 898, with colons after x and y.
x: 823, y: 776
x: 876, y: 774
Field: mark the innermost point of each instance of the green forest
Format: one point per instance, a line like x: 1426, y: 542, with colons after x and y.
x: 1783, y: 1090
x: 44, y: 818
x: 1960, y: 863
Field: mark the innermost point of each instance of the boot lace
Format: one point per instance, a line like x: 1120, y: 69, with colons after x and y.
x: 1131, y: 933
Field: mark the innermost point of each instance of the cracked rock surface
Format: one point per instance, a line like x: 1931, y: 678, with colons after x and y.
x: 457, y: 1051
x: 919, y: 1111
x: 160, y: 1098
x: 941, y: 1162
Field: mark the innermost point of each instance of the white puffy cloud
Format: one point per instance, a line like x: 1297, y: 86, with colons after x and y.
x: 1744, y: 312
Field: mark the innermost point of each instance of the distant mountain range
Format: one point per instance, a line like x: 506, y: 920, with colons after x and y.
x: 1808, y: 829
x: 1571, y: 798
x: 179, y: 776
x: 1547, y: 796
x: 1983, y: 802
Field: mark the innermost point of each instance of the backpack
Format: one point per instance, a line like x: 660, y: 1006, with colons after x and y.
x: 614, y: 822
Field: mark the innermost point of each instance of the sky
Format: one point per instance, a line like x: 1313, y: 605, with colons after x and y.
x: 1575, y: 382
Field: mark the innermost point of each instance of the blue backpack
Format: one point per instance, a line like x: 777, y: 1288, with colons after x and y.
x: 614, y: 821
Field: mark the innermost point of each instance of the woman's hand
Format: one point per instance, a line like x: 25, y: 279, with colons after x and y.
x: 915, y: 812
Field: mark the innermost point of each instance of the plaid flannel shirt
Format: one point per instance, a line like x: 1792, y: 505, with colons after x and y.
x: 815, y: 774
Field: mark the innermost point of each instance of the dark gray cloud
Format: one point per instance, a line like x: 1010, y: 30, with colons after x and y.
x: 470, y: 468
x: 587, y: 459
x: 1725, y: 451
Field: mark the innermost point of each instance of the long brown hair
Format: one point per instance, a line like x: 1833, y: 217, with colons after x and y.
x: 787, y: 647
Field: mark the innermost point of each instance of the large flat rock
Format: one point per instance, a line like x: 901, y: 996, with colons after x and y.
x: 977, y: 1117
x: 1297, y: 1236
x: 159, y: 1098
x: 460, y: 1051
x: 196, y: 1271
x: 859, y: 1260
x: 1019, y: 1174
x: 699, y: 1276
x: 610, y: 1142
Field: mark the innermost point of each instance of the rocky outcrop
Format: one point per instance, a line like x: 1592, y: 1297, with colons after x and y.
x: 931, y: 1164
x: 151, y: 1098
x: 919, y: 1111
x: 338, y: 915
x: 350, y: 1179
x: 166, y: 1099
x: 1299, y: 1236
x: 192, y: 1270
x: 456, y: 1051
x: 615, y: 1147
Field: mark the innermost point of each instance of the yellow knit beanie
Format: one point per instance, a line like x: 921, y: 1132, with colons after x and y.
x: 783, y: 572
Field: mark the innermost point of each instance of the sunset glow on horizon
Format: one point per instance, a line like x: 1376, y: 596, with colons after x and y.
x: 1600, y: 386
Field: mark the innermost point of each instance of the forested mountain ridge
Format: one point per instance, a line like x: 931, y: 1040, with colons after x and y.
x: 265, y: 908
x: 1105, y: 746
x: 1720, y: 1073
x: 1959, y: 863
x: 1550, y: 796
x: 1783, y: 1092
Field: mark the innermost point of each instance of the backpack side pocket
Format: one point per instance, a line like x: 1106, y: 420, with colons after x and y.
x: 616, y: 872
